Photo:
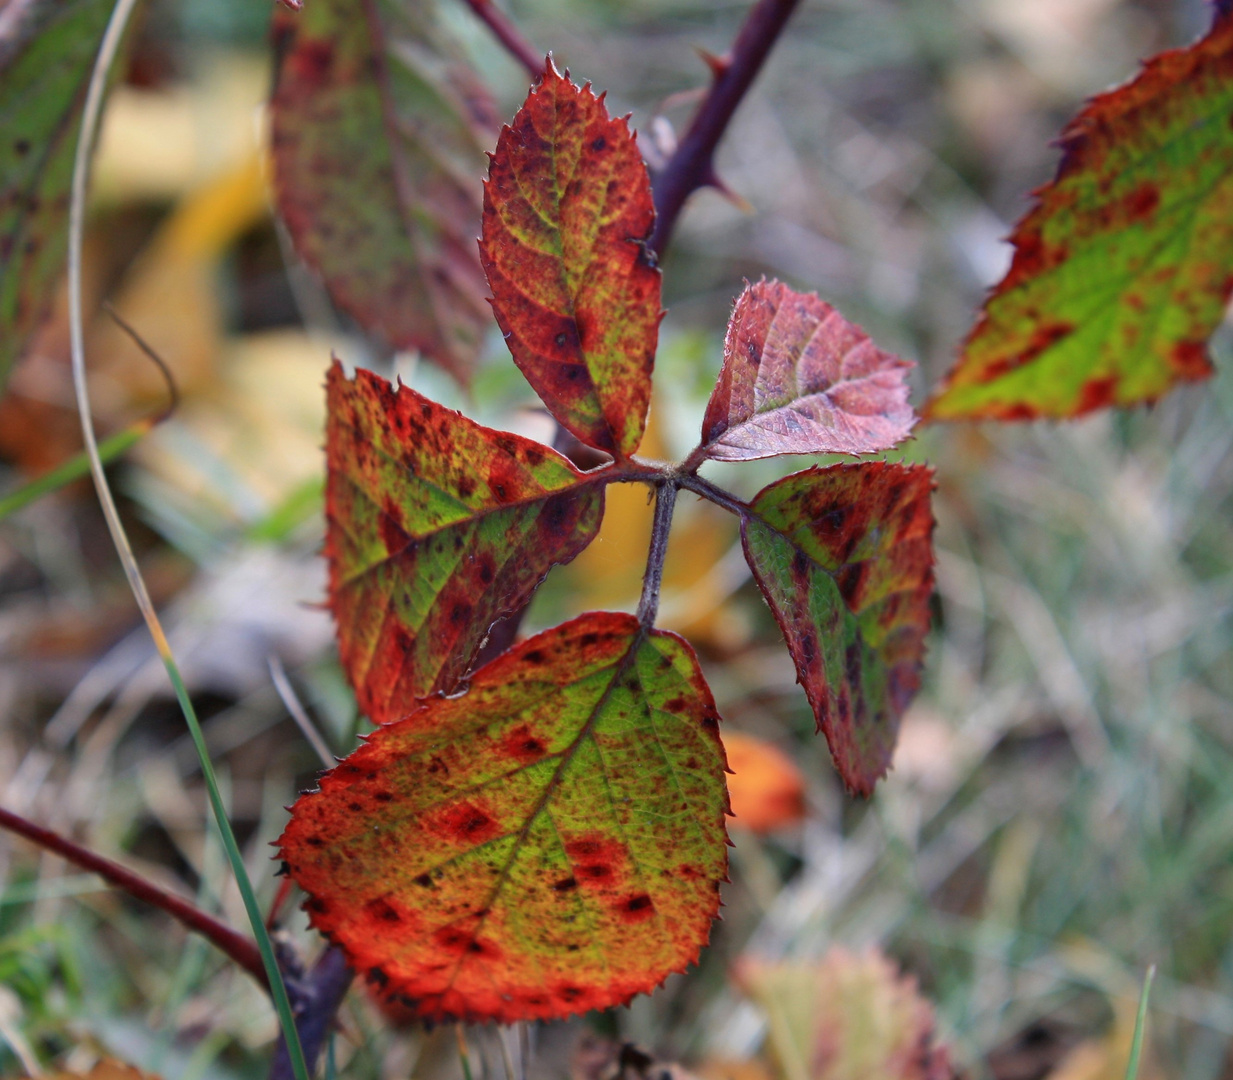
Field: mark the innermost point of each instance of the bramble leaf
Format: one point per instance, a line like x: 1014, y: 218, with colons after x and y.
x: 848, y: 1017
x: 1122, y: 270
x: 436, y: 527
x: 47, y: 52
x: 566, y: 208
x: 844, y: 557
x: 549, y: 842
x: 377, y: 131
x: 798, y: 378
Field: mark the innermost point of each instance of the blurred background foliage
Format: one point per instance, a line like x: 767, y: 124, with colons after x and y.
x: 1060, y: 813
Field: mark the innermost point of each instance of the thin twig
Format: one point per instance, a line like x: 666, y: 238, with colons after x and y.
x: 242, y: 950
x: 292, y: 703
x: 173, y: 391
x: 665, y: 502
x: 91, y: 114
x: 508, y: 35
x: 693, y: 164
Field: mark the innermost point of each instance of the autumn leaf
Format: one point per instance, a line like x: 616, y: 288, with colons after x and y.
x: 47, y: 52
x: 844, y: 557
x: 766, y: 787
x: 846, y: 1016
x: 549, y: 842
x: 436, y: 527
x: 566, y: 208
x: 1122, y: 270
x: 798, y: 378
x: 377, y: 130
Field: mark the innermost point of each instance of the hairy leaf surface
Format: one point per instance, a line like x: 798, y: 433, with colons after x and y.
x: 378, y: 134
x: 436, y: 527
x: 798, y: 378
x: 844, y: 557
x: 46, y: 54
x: 1123, y: 269
x: 551, y: 841
x: 566, y: 206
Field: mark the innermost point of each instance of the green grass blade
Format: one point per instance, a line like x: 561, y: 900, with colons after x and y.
x: 75, y: 468
x: 1136, y: 1044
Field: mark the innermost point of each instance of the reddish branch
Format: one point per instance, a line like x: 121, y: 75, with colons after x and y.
x: 507, y: 34
x: 693, y: 164
x: 239, y: 948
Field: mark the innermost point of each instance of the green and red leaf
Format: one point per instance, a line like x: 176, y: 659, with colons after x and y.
x: 377, y: 130
x: 798, y: 378
x: 549, y: 842
x: 436, y: 527
x: 1123, y: 269
x: 47, y: 50
x: 567, y: 207
x: 844, y: 557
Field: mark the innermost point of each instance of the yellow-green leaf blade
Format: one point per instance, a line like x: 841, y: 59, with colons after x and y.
x: 550, y: 842
x: 1123, y: 269
x: 436, y: 527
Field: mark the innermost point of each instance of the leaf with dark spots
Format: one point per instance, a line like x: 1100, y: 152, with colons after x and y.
x: 377, y: 128
x: 566, y: 205
x: 528, y: 888
x: 844, y: 557
x: 47, y: 50
x: 798, y: 378
x: 424, y: 554
x: 1122, y: 270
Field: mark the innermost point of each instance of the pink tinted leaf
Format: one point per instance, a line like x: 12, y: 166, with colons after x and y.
x: 798, y: 378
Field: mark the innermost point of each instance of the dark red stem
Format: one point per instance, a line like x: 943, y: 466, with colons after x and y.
x: 239, y: 948
x: 665, y: 503
x: 507, y: 34
x: 693, y: 164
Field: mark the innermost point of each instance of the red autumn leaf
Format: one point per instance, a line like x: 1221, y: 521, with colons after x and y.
x: 549, y: 842
x: 1122, y: 270
x: 566, y: 208
x: 376, y: 128
x: 798, y: 378
x: 436, y: 528
x: 844, y: 557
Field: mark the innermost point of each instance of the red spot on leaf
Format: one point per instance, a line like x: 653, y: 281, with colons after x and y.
x: 1097, y: 394
x: 1189, y: 359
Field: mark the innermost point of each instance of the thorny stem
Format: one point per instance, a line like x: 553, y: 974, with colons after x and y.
x: 507, y: 34
x: 665, y: 503
x: 693, y: 164
x: 240, y: 949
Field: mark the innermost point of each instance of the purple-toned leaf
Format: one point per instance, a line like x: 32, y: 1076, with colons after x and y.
x: 798, y: 378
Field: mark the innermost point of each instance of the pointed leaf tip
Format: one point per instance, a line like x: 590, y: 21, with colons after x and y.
x: 1121, y: 270
x: 798, y: 378
x: 550, y: 842
x: 435, y: 528
x: 844, y: 558
x: 566, y: 206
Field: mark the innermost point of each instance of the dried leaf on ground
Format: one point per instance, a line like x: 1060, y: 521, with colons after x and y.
x: 766, y: 787
x: 798, y: 378
x: 550, y: 842
x: 846, y: 1017
x: 378, y: 130
x: 844, y: 557
x: 436, y: 527
x: 1122, y: 270
x: 46, y: 55
x: 566, y: 208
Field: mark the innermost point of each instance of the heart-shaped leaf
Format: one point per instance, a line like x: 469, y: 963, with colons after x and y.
x: 1124, y: 268
x: 377, y: 129
x: 798, y: 378
x: 566, y: 209
x: 47, y: 52
x: 549, y: 842
x: 844, y: 557
x: 436, y: 528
